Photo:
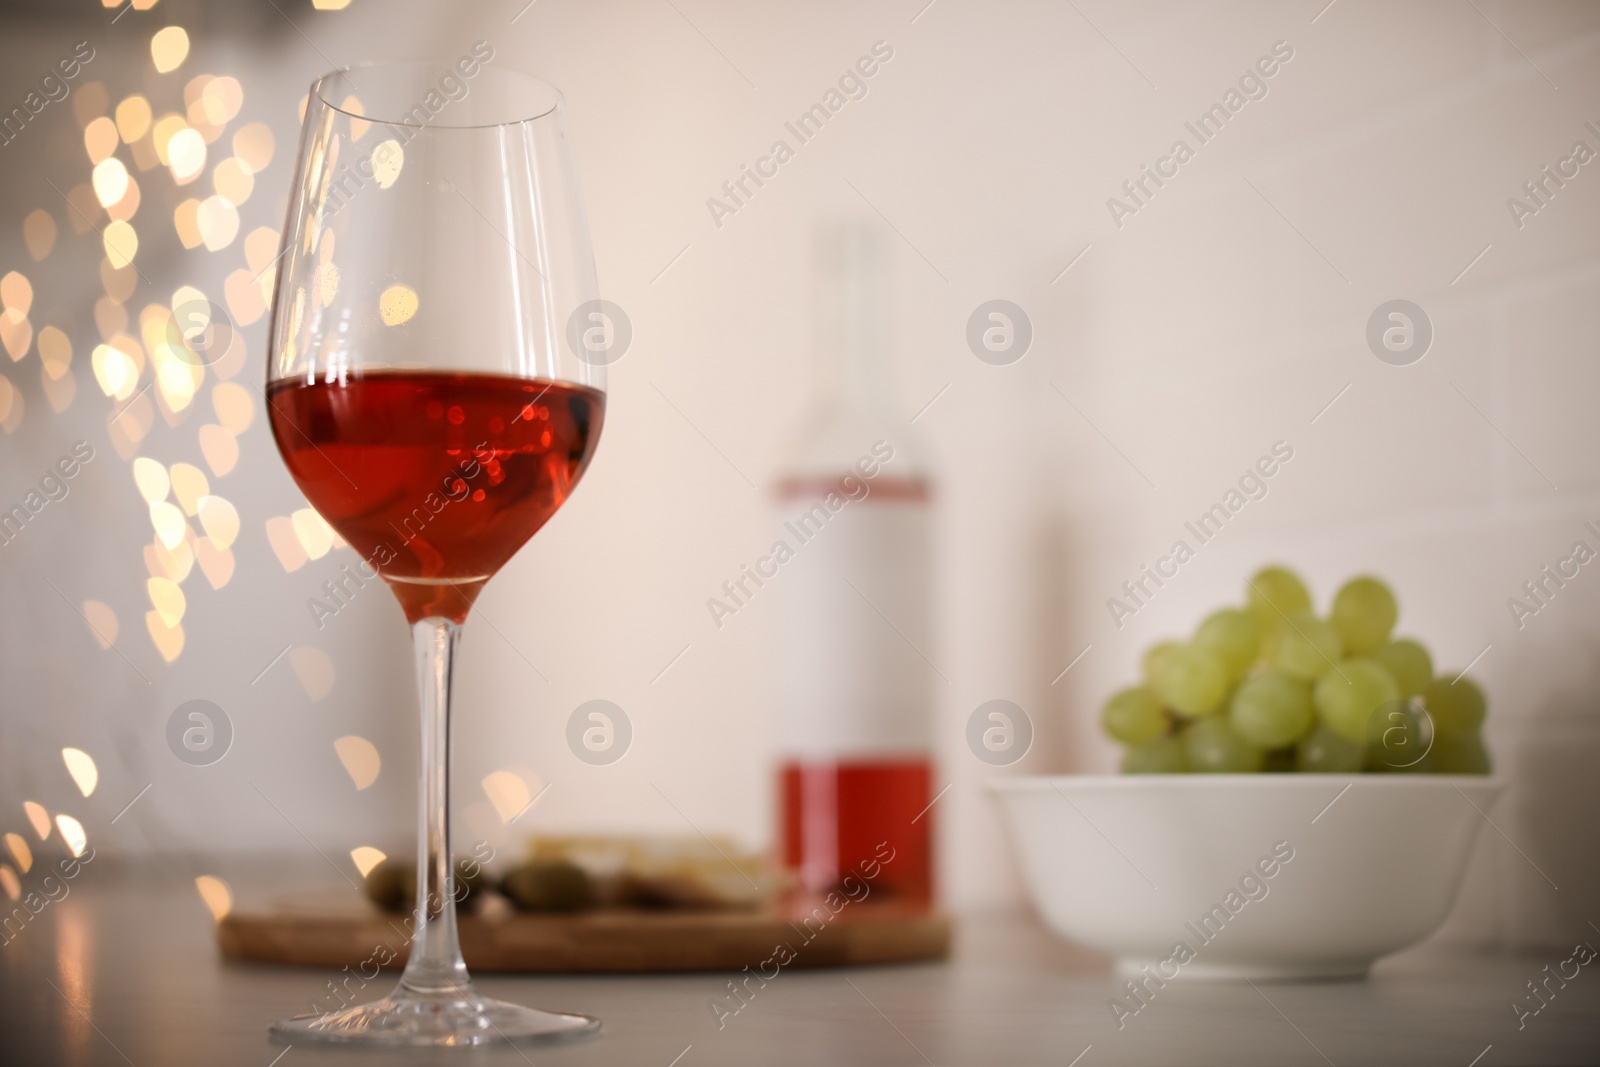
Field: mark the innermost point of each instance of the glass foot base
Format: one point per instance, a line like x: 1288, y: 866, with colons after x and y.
x: 404, y: 1019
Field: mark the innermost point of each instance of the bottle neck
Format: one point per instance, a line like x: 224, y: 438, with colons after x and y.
x: 855, y: 336
x: 857, y: 408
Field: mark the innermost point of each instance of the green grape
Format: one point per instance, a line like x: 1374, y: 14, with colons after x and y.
x: 1457, y: 708
x: 1410, y: 664
x: 1154, y: 657
x: 1279, y: 761
x: 1324, y: 752
x: 1233, y: 636
x: 1461, y: 756
x: 1134, y: 716
x: 1271, y: 709
x: 1399, y: 738
x: 1192, y: 682
x: 1275, y: 592
x: 1378, y: 763
x: 1213, y: 748
x: 1346, y: 697
x: 1164, y: 755
x: 1306, y: 707
x: 1363, y: 612
x: 1303, y: 647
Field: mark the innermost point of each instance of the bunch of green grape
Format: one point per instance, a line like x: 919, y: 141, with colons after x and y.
x: 1273, y: 687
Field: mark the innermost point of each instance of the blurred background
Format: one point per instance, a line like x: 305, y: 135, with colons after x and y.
x: 1174, y: 341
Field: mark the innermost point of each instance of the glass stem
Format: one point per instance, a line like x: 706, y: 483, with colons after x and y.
x: 435, y: 968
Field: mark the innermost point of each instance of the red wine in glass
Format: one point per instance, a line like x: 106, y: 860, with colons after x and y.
x: 435, y: 478
x: 433, y: 391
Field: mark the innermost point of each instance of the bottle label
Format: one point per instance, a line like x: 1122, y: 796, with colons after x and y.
x: 855, y: 625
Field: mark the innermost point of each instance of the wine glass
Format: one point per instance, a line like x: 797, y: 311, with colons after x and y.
x: 429, y: 397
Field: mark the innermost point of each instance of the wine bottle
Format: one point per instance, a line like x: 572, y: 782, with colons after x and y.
x: 855, y: 703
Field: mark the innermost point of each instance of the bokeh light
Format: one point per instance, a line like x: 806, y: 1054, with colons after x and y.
x: 166, y: 596
x: 186, y: 155
x: 220, y: 520
x: 39, y: 233
x: 216, y: 894
x: 114, y: 370
x: 215, y: 563
x: 166, y: 127
x: 218, y: 448
x: 168, y: 523
x: 169, y: 48
x: 16, y: 293
x: 152, y: 479
x: 110, y: 181
x: 55, y: 351
x: 38, y: 818
x: 313, y: 532
x: 82, y: 768
x: 59, y: 391
x: 508, y: 792
x: 221, y: 100
x: 253, y: 145
x: 234, y: 405
x: 313, y: 669
x: 285, y: 545
x: 125, y: 208
x: 189, y: 484
x: 118, y: 282
x: 365, y: 857
x: 16, y: 333
x: 218, y: 221
x: 351, y: 105
x: 133, y: 118
x: 128, y: 426
x: 72, y: 833
x: 327, y: 283
x: 186, y: 220
x: 100, y: 139
x: 387, y: 159
x: 397, y: 304
x: 173, y: 563
x: 20, y: 852
x: 360, y: 759
x: 167, y: 639
x: 102, y: 622
x: 121, y: 243
x: 233, y: 180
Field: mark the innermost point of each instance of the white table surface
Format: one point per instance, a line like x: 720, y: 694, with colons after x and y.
x: 124, y: 971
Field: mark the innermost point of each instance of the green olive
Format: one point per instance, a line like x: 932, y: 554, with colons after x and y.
x: 548, y: 885
x: 392, y: 885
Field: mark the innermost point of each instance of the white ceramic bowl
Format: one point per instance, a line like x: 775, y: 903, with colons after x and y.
x: 1327, y: 872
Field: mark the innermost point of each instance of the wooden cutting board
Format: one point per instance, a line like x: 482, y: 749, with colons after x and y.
x: 607, y: 940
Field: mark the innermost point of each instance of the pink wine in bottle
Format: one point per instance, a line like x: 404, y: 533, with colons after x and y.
x: 855, y: 700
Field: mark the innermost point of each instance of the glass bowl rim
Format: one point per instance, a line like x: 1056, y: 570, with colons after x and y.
x: 319, y: 86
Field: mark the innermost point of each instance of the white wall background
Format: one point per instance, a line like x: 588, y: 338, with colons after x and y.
x: 1223, y: 317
